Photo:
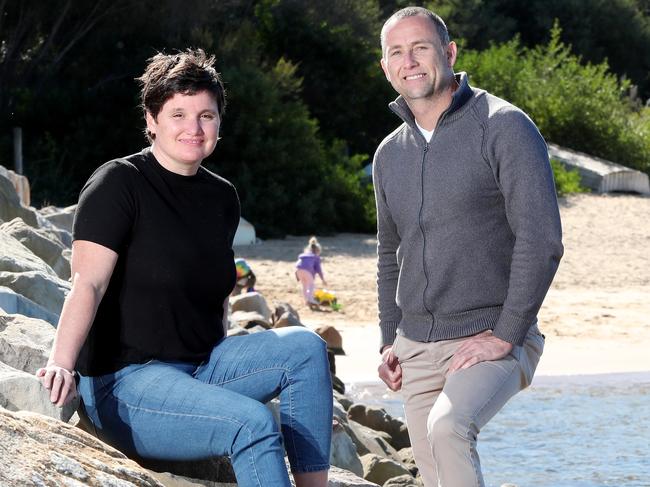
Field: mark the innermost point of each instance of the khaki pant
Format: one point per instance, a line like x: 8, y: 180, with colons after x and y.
x: 445, y: 414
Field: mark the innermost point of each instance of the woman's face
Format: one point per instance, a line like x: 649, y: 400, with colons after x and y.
x: 186, y: 131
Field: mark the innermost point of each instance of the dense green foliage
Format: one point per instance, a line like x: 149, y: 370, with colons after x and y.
x: 577, y: 105
x: 566, y: 181
x: 307, y: 101
x: 616, y: 31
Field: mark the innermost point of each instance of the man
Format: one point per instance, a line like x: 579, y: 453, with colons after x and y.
x: 468, y: 242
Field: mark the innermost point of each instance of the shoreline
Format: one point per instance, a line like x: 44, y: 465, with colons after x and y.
x: 563, y: 356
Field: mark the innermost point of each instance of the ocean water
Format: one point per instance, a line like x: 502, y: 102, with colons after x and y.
x: 574, y: 431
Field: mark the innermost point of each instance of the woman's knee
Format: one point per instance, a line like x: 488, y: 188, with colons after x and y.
x: 256, y: 425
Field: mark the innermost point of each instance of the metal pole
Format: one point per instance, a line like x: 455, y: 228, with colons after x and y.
x: 18, y: 150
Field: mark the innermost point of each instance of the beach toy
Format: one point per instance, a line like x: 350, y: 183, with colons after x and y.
x: 326, y: 298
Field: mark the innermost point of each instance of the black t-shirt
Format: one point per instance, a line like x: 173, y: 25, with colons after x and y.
x: 173, y: 235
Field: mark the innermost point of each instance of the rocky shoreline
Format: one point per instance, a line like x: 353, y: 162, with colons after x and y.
x: 42, y: 444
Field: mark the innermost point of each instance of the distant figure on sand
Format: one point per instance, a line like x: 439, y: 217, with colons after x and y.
x: 145, y: 322
x: 468, y: 242
x: 246, y: 279
x: 307, y: 267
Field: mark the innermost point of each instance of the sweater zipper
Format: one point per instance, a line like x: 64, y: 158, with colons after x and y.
x: 424, y: 267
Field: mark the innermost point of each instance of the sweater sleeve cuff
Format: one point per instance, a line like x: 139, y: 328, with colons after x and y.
x: 388, y: 333
x: 512, y: 328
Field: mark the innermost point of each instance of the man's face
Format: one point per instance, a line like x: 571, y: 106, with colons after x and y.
x: 414, y: 61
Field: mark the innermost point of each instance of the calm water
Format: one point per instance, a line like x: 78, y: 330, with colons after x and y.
x: 579, y: 431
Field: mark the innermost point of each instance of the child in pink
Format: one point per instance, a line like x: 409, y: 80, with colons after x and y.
x: 307, y: 267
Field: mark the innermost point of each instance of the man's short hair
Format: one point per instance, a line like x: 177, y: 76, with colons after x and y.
x: 186, y: 73
x: 435, y: 19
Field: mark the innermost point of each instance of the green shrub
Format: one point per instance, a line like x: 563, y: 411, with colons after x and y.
x: 576, y: 105
x: 567, y: 181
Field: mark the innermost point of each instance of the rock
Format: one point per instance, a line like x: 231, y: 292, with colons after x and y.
x: 407, y: 458
x: 378, y: 419
x: 338, y: 411
x: 249, y: 319
x: 344, y: 478
x: 44, y: 451
x: 403, y: 481
x: 378, y: 469
x: 44, y: 289
x: 25, y: 343
x: 344, y: 400
x: 20, y: 391
x: 10, y: 205
x: 282, y: 307
x: 344, y: 452
x: 211, y: 471
x: 60, y: 217
x: 41, y: 242
x: 252, y: 301
x: 237, y: 330
x: 369, y: 441
x: 15, y: 257
x: 287, y: 319
x: 14, y: 303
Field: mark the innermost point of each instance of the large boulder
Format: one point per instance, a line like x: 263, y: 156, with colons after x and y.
x: 59, y: 217
x: 251, y: 302
x: 344, y: 478
x: 15, y: 303
x: 370, y: 441
x: 379, y: 469
x: 15, y: 257
x: 344, y: 452
x: 43, y: 243
x: 38, y: 450
x: 10, y: 205
x: 25, y: 343
x: 42, y: 288
x: 379, y: 420
x: 20, y: 391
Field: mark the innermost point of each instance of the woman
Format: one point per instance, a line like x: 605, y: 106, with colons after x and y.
x: 152, y: 248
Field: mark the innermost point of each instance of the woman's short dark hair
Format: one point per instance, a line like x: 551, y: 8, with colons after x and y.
x: 187, y: 73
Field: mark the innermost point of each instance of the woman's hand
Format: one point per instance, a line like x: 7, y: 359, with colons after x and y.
x: 60, y: 382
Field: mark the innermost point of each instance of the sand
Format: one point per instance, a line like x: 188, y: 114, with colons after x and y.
x: 596, y: 316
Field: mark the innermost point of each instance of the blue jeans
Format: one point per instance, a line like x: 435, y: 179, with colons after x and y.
x: 181, y: 411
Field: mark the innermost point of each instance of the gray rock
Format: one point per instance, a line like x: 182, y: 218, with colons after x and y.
x: 60, y: 217
x: 344, y: 400
x: 378, y: 469
x: 43, y: 243
x: 344, y: 452
x: 20, y: 391
x: 403, y: 481
x: 44, y: 451
x: 25, y: 343
x: 378, y: 419
x: 344, y: 478
x: 251, y: 302
x: 44, y: 289
x: 338, y: 411
x: 370, y: 441
x: 15, y: 257
x: 14, y: 303
x: 406, y: 457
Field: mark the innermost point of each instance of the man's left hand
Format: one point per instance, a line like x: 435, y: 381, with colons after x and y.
x: 479, y: 348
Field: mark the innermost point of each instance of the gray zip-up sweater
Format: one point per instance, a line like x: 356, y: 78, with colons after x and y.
x: 468, y: 227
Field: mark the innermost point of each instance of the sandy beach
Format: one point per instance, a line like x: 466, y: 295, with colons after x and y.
x: 596, y: 316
